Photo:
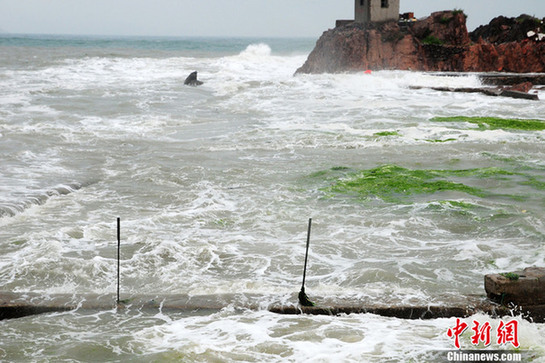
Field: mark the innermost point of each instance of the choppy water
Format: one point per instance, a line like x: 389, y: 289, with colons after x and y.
x: 215, y: 184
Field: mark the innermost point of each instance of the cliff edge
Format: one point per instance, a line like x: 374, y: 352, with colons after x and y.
x: 440, y: 42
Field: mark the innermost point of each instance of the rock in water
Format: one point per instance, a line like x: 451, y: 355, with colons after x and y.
x: 192, y: 80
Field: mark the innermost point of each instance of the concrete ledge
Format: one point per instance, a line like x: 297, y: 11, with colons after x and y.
x: 498, y: 78
x: 510, y: 79
x: 401, y: 312
x: 531, y: 313
x: 19, y: 311
x: 16, y: 305
x: 13, y: 305
x: 495, y: 92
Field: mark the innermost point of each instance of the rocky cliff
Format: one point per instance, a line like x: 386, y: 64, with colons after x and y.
x: 440, y: 42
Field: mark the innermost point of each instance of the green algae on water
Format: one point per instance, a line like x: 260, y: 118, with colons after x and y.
x: 440, y: 141
x: 391, y: 183
x: 495, y: 123
x: 459, y: 204
x: 386, y: 133
x: 534, y: 183
x: 455, y: 207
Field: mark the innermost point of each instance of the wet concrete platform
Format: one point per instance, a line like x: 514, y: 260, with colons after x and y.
x: 510, y: 79
x: 499, y: 78
x: 17, y: 305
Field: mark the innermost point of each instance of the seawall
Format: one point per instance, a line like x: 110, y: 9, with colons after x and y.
x: 18, y: 305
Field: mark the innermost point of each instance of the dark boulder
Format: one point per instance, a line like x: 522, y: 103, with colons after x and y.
x: 505, y: 30
x: 523, y: 288
x: 192, y: 80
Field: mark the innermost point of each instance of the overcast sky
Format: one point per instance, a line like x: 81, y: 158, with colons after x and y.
x: 270, y: 18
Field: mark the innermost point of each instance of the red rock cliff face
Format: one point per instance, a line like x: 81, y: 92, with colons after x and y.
x: 440, y: 42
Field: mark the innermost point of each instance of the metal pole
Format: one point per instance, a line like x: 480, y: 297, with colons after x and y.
x: 306, y: 254
x: 303, y: 298
x: 118, y: 253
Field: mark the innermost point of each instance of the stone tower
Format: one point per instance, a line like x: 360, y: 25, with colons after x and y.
x: 371, y: 11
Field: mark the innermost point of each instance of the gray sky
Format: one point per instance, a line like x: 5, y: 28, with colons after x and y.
x: 273, y: 18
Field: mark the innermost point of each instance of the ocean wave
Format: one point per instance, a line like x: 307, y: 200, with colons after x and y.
x: 10, y: 209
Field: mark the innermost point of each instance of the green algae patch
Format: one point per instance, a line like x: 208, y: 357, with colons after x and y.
x: 395, y: 184
x: 459, y: 204
x: 510, y: 276
x: 535, y: 183
x: 455, y: 208
x: 440, y: 140
x: 495, y: 123
x: 386, y: 133
x: 392, y: 183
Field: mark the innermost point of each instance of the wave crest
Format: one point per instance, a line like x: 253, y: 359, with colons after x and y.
x: 256, y: 51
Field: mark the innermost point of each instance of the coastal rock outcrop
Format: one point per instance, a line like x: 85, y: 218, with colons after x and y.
x: 192, y: 80
x: 440, y: 42
x: 505, y: 30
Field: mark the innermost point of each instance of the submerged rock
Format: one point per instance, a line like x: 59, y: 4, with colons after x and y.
x: 192, y: 80
x: 524, y: 87
x: 440, y: 42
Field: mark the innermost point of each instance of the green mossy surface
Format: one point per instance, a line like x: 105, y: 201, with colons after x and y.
x: 393, y: 183
x: 432, y: 40
x: 495, y: 123
x: 511, y: 276
x: 459, y: 11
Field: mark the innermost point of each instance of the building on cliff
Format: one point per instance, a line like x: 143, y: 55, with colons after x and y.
x: 376, y: 11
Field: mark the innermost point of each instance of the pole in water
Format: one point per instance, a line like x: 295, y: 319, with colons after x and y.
x: 118, y: 253
x: 303, y: 298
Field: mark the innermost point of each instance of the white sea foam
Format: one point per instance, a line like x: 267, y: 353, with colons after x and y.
x: 353, y: 338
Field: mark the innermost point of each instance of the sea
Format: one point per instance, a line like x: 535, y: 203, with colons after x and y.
x: 414, y: 194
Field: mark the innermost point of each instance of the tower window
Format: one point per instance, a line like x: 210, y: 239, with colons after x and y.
x: 361, y: 2
x: 384, y: 3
